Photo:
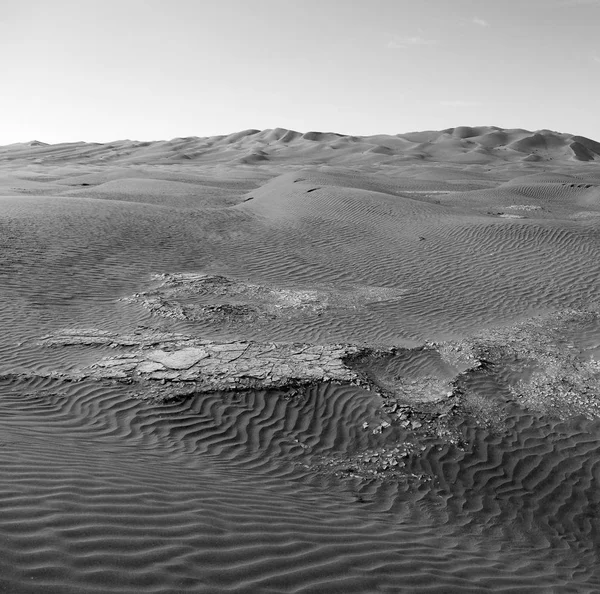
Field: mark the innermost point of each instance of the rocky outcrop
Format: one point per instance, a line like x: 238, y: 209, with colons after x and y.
x: 224, y: 300
x: 546, y: 363
x: 207, y: 366
x: 161, y: 366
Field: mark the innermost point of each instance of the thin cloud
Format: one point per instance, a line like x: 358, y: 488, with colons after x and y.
x: 459, y: 103
x: 579, y: 3
x: 596, y: 59
x: 480, y: 22
x: 407, y: 41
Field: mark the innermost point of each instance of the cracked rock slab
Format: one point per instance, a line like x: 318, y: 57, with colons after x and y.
x: 207, y: 365
x: 180, y: 359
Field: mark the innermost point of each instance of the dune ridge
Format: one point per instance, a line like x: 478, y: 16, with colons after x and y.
x: 250, y: 147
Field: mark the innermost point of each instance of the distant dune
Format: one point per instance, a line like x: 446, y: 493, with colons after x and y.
x: 484, y: 144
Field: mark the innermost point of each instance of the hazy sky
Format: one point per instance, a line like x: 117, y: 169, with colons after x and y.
x: 101, y: 70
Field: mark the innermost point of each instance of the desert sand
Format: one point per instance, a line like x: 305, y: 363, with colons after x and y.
x: 277, y: 361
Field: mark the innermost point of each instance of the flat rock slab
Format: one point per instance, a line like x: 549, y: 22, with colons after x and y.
x: 208, y: 365
x: 181, y: 359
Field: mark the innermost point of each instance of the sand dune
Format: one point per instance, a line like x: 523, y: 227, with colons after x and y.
x: 447, y: 145
x: 462, y: 265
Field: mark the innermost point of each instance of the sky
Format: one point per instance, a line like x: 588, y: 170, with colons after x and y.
x: 103, y: 70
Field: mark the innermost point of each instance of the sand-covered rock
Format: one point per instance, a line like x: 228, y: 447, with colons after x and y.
x: 225, y: 300
x: 548, y: 363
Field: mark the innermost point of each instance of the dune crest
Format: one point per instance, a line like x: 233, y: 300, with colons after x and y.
x: 495, y: 144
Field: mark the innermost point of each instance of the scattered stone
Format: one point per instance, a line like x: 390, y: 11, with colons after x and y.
x: 545, y: 361
x: 390, y: 463
x: 523, y: 207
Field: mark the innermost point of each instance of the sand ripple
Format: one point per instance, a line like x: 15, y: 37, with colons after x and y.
x: 90, y: 505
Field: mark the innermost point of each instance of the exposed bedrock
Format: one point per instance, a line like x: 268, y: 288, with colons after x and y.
x: 236, y: 303
x: 208, y: 366
x: 547, y: 363
x: 162, y: 366
x: 421, y: 399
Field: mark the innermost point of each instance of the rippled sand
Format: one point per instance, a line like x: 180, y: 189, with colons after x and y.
x: 468, y: 233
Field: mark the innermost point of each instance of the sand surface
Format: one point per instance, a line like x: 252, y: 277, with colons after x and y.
x: 301, y: 362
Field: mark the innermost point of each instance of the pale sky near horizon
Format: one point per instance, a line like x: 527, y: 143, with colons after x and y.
x: 102, y: 70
